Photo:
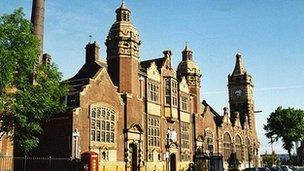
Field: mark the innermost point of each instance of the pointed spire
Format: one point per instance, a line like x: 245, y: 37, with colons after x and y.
x: 186, y: 47
x: 239, y: 68
x: 123, y: 5
x: 187, y: 53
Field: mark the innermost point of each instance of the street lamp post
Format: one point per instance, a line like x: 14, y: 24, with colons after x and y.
x: 208, y: 157
x: 210, y: 147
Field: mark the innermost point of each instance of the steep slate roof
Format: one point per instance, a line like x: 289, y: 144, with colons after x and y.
x: 217, y: 117
x: 158, y: 61
x: 87, y: 71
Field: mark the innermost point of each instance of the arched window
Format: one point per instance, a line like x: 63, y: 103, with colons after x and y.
x: 102, y: 124
x: 238, y: 147
x: 247, y: 149
x: 208, y: 142
x: 227, y: 146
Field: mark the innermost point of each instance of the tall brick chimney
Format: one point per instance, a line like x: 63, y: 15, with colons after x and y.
x: 37, y: 19
x: 92, y: 52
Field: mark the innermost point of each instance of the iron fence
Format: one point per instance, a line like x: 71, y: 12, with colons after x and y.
x: 8, y: 163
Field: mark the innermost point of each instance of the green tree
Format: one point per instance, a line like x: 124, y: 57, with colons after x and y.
x: 270, y: 159
x: 24, y: 105
x: 287, y: 125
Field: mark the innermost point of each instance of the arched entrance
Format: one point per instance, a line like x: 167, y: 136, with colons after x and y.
x: 172, y: 162
x: 134, y: 155
x: 134, y: 160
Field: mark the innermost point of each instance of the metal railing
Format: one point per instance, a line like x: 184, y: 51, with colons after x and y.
x: 8, y: 163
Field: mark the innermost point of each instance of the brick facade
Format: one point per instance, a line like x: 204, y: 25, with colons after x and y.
x: 146, y: 115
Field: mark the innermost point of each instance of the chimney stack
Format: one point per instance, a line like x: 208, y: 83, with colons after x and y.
x: 92, y: 52
x: 37, y: 20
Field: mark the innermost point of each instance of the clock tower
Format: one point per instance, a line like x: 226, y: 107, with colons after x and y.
x: 240, y: 89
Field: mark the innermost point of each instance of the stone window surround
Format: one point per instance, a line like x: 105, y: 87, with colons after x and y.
x: 153, y: 91
x: 153, y: 131
x: 102, y: 124
x: 170, y: 91
x: 185, y: 136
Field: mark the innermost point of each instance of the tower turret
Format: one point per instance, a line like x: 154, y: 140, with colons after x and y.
x: 123, y: 13
x: 187, y: 53
x: 189, y: 69
x: 240, y: 89
x: 123, y: 51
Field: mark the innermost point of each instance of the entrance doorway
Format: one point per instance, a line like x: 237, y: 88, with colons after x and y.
x: 134, y: 155
x: 172, y: 162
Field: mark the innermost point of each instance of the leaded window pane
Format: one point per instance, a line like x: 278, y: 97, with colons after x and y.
x: 185, y: 135
x: 153, y: 132
x: 227, y: 146
x: 102, y: 125
x: 107, y: 126
x: 98, y: 136
x: 103, y: 136
x: 98, y: 124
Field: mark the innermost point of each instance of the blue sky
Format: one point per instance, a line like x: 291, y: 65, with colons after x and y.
x: 269, y: 34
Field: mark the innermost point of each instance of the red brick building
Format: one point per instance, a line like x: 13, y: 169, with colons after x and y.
x: 146, y: 115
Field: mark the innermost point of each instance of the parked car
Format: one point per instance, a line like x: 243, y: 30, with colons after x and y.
x: 263, y: 169
x: 276, y: 168
x: 257, y: 169
x: 250, y: 169
x: 286, y: 168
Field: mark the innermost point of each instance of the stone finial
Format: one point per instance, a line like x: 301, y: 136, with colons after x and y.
x: 246, y: 124
x: 225, y: 110
x: 237, y: 121
x: 226, y: 118
x: 167, y: 53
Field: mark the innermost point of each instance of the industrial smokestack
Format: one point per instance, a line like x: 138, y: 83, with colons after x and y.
x: 37, y: 20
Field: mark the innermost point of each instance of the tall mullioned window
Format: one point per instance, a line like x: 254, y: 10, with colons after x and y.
x: 185, y: 135
x: 247, y: 149
x: 174, y: 93
x: 153, y: 92
x: 154, y: 132
x: 102, y: 124
x: 227, y: 146
x: 184, y: 103
x: 171, y: 92
x: 238, y: 146
x: 168, y: 91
